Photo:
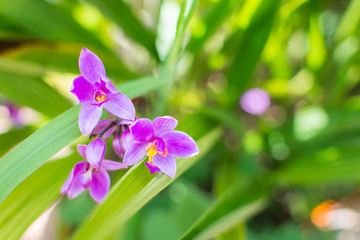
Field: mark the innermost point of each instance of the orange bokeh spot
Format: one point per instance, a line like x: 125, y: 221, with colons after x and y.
x: 320, y: 215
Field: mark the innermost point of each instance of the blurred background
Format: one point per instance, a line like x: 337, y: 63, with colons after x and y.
x: 280, y: 78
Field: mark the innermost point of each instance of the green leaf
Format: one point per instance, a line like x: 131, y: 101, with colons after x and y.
x: 186, y: 12
x: 38, y: 60
x: 139, y: 87
x: 217, y: 15
x: 251, y: 45
x: 48, y: 140
x: 328, y: 157
x: 32, y: 92
x: 349, y: 22
x: 331, y: 164
x: 169, y: 68
x: 121, y: 14
x: 29, y: 155
x: 12, y: 137
x: 342, y: 131
x: 188, y: 9
x: 238, y: 232
x: 235, y: 206
x: 30, y: 69
x: 10, y: 31
x: 133, y: 191
x: 47, y: 21
x: 32, y: 197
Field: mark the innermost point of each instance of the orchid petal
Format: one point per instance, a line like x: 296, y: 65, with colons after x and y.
x: 81, y: 148
x: 82, y: 174
x: 108, y: 133
x: 120, y: 144
x: 127, y: 121
x: 120, y: 105
x: 83, y: 90
x: 153, y: 169
x: 85, y: 178
x: 135, y: 153
x: 179, y: 144
x: 65, y: 187
x: 108, y: 84
x: 112, y: 165
x: 75, y: 190
x: 71, y: 186
x: 166, y: 164
x: 80, y: 167
x: 117, y: 146
x: 164, y: 124
x: 101, y: 126
x: 126, y: 139
x: 100, y: 185
x: 95, y: 152
x: 88, y: 118
x: 71, y: 178
x: 142, y: 131
x: 90, y: 66
x: 160, y: 145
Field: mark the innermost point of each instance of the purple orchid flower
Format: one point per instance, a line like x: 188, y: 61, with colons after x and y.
x: 95, y: 91
x: 91, y: 174
x: 160, y: 142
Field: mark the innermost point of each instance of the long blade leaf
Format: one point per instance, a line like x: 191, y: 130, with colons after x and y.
x: 121, y: 14
x: 47, y: 21
x: 236, y: 205
x: 32, y: 92
x: 32, y: 197
x: 251, y: 45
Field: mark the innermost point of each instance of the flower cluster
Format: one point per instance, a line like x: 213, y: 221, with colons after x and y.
x: 133, y: 138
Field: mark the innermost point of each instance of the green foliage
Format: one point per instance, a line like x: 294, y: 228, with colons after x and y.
x: 120, y: 13
x: 236, y: 205
x: 34, y: 93
x: 251, y: 44
x: 47, y: 21
x: 34, y: 195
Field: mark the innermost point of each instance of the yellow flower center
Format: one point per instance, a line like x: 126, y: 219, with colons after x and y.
x: 100, y: 98
x: 152, y: 151
x: 100, y: 95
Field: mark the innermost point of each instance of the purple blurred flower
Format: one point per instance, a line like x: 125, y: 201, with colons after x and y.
x: 14, y: 114
x: 255, y: 101
x: 160, y: 142
x: 95, y: 91
x: 91, y: 174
